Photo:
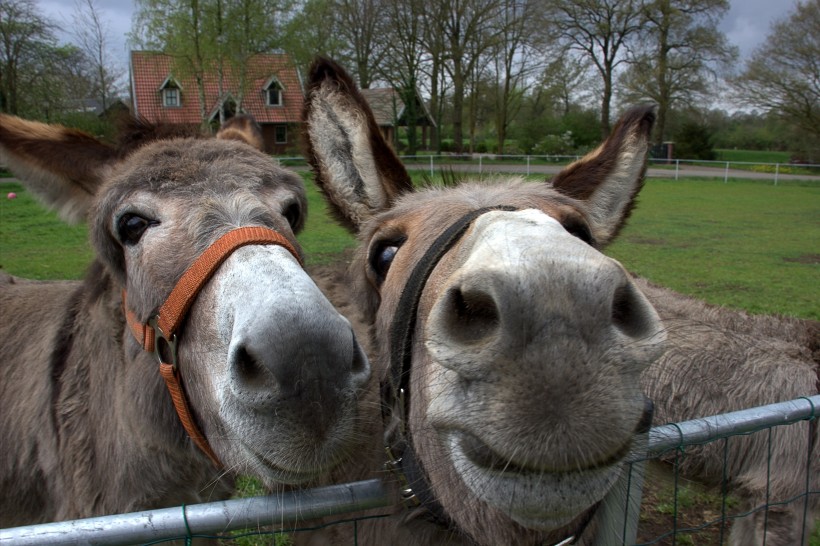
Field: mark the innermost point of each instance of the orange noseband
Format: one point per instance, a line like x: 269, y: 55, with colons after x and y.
x: 160, y: 331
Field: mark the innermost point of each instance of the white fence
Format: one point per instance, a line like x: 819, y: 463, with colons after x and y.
x: 287, y: 511
x: 551, y: 164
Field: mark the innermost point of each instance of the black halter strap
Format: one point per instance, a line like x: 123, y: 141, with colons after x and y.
x: 401, y: 330
x: 396, y: 389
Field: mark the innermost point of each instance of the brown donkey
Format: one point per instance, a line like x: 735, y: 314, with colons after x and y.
x: 528, y: 346
x: 508, y: 347
x: 195, y: 245
x: 720, y: 360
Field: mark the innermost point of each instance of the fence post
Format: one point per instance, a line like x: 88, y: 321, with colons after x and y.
x: 677, y: 168
x: 618, y: 513
x: 431, y: 165
x: 776, y: 172
x: 726, y: 173
x: 479, y: 164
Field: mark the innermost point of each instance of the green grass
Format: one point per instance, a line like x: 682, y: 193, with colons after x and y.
x: 742, y: 244
x: 34, y: 243
x: 322, y: 237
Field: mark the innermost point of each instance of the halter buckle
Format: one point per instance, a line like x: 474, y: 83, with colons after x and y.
x: 163, y: 345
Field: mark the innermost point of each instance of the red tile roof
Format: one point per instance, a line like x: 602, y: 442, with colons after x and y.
x: 149, y: 70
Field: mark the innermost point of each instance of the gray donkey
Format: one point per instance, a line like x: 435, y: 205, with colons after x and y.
x: 196, y: 346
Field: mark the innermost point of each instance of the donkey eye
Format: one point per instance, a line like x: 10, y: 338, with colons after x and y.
x: 381, y: 257
x: 130, y: 228
x: 293, y: 215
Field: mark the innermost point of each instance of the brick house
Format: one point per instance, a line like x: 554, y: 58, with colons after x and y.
x: 273, y: 96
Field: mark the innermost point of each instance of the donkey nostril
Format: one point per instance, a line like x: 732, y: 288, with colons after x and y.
x: 248, y: 369
x: 472, y: 315
x: 628, y: 312
x: 360, y: 366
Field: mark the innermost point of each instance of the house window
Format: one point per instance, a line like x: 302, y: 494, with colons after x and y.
x: 273, y: 94
x: 280, y: 134
x: 170, y: 97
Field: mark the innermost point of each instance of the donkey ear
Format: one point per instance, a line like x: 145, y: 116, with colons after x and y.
x: 62, y: 167
x: 354, y: 166
x: 609, y: 178
x: 243, y: 128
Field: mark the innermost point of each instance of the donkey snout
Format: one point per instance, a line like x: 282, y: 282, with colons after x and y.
x: 559, y: 302
x: 297, y: 364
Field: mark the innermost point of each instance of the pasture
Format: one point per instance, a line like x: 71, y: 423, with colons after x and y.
x: 744, y: 244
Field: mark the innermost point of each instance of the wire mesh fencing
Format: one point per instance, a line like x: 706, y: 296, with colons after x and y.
x: 653, y: 503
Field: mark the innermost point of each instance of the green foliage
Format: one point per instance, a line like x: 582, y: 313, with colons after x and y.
x: 101, y: 127
x: 782, y: 76
x: 749, y: 131
x: 752, y: 156
x: 555, y: 145
x: 694, y: 141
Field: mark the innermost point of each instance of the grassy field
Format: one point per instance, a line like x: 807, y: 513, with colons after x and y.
x: 743, y: 244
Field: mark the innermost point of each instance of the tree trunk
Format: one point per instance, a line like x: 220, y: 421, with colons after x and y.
x: 458, y: 106
x: 606, y: 100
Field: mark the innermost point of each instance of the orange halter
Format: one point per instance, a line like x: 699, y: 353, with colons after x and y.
x: 161, y: 328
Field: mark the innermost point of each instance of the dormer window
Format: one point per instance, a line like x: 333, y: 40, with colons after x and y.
x: 170, y: 97
x: 171, y: 93
x: 273, y: 93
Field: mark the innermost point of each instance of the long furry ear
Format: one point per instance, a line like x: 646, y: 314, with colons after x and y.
x: 243, y: 128
x: 62, y: 167
x: 610, y: 177
x: 357, y: 170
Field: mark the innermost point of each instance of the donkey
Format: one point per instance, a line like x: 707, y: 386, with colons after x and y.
x: 197, y: 276
x: 720, y: 360
x: 508, y: 347
x: 497, y: 379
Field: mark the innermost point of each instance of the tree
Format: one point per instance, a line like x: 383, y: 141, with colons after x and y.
x: 360, y: 24
x: 694, y: 141
x: 598, y: 29
x: 91, y: 35
x: 512, y: 57
x: 680, y: 46
x: 209, y: 35
x: 783, y: 75
x: 176, y: 27
x: 403, y: 58
x: 25, y: 38
x: 303, y: 38
x: 434, y: 41
x: 466, y: 36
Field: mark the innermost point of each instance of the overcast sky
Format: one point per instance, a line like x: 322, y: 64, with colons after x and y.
x: 746, y: 24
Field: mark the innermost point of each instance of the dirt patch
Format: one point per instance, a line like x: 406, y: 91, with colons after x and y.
x: 697, y: 508
x: 638, y: 240
x: 807, y: 259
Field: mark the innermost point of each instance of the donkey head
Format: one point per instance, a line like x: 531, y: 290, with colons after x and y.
x: 510, y: 344
x: 271, y: 371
